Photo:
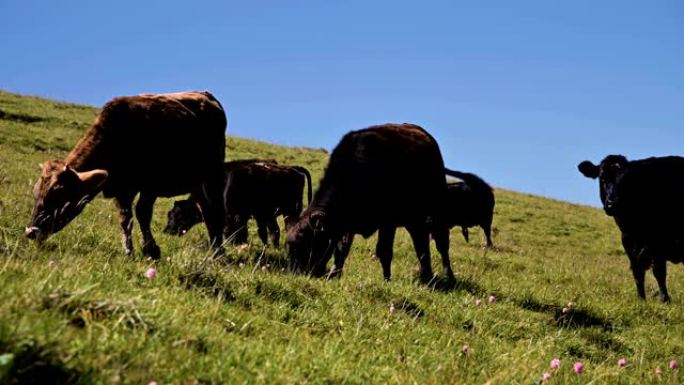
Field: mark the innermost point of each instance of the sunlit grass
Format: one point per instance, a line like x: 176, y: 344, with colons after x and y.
x: 88, y: 314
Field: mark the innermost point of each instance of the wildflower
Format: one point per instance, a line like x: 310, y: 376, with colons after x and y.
x: 152, y: 383
x: 241, y: 265
x: 151, y: 273
x: 264, y: 268
x: 622, y: 362
x: 571, y: 305
x: 658, y: 371
x: 565, y: 310
x: 555, y: 363
x: 491, y: 299
x: 578, y: 367
x: 392, y: 309
x: 673, y: 364
x: 52, y: 264
x: 465, y: 349
x: 546, y: 376
x: 478, y: 302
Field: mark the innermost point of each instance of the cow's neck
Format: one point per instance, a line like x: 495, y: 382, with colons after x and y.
x: 87, y: 154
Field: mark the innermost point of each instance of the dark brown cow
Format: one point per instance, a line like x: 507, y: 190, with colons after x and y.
x: 158, y: 145
x: 259, y: 189
x: 378, y: 178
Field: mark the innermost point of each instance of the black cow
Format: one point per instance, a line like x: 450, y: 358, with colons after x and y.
x: 377, y: 179
x: 259, y: 189
x: 646, y: 199
x: 470, y: 203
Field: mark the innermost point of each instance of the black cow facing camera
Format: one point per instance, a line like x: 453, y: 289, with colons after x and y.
x: 646, y: 199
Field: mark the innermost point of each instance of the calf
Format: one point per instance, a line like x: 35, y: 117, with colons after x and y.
x: 470, y: 203
x: 377, y: 179
x: 259, y: 189
x: 158, y: 145
x: 645, y: 199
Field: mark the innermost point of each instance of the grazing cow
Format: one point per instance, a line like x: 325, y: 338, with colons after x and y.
x: 377, y: 179
x: 259, y: 189
x: 470, y: 203
x: 645, y: 197
x: 158, y: 145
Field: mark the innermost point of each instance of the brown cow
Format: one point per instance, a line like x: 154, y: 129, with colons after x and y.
x: 158, y: 145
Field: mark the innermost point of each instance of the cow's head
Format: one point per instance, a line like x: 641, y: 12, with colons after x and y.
x: 308, y: 243
x: 182, y: 217
x: 61, y: 193
x: 610, y: 172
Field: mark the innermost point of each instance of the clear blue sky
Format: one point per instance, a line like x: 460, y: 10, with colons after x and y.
x: 516, y: 91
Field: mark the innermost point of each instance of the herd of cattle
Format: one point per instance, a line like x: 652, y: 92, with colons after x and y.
x: 377, y: 179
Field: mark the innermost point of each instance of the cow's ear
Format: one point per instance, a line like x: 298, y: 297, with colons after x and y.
x: 65, y: 174
x: 93, y: 179
x: 589, y: 169
x: 317, y: 220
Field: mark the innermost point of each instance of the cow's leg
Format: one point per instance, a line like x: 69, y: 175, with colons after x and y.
x: 464, y: 231
x: 341, y: 252
x: 241, y: 229
x: 125, y: 206
x: 421, y: 242
x: 143, y: 211
x: 236, y: 229
x: 638, y: 271
x: 273, y: 232
x: 262, y: 230
x: 441, y: 235
x: 384, y: 250
x: 487, y: 228
x: 660, y: 273
x: 213, y: 207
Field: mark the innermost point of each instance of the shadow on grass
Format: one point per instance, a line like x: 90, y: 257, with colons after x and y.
x: 273, y: 259
x: 207, y: 283
x: 27, y: 362
x: 20, y: 117
x: 570, y: 318
x: 81, y: 311
x: 457, y: 284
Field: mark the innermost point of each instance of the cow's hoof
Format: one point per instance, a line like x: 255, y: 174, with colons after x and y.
x: 664, y: 298
x: 427, y: 278
x: 151, y: 250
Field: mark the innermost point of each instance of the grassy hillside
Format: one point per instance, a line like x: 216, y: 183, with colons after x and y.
x: 79, y: 311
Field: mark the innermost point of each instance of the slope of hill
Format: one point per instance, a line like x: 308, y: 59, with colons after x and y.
x: 78, y: 311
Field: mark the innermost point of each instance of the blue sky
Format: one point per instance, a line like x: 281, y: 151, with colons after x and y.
x: 518, y: 92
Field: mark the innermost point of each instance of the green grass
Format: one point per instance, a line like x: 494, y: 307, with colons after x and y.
x: 79, y: 311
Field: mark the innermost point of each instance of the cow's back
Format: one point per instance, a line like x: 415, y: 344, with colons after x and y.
x: 162, y: 143
x: 389, y: 174
x: 652, y: 199
x: 264, y: 189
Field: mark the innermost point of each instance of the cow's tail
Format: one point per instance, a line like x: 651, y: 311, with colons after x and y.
x: 306, y: 174
x: 466, y: 177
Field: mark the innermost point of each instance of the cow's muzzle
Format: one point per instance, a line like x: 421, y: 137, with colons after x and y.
x: 31, y: 232
x: 610, y: 207
x: 35, y: 233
